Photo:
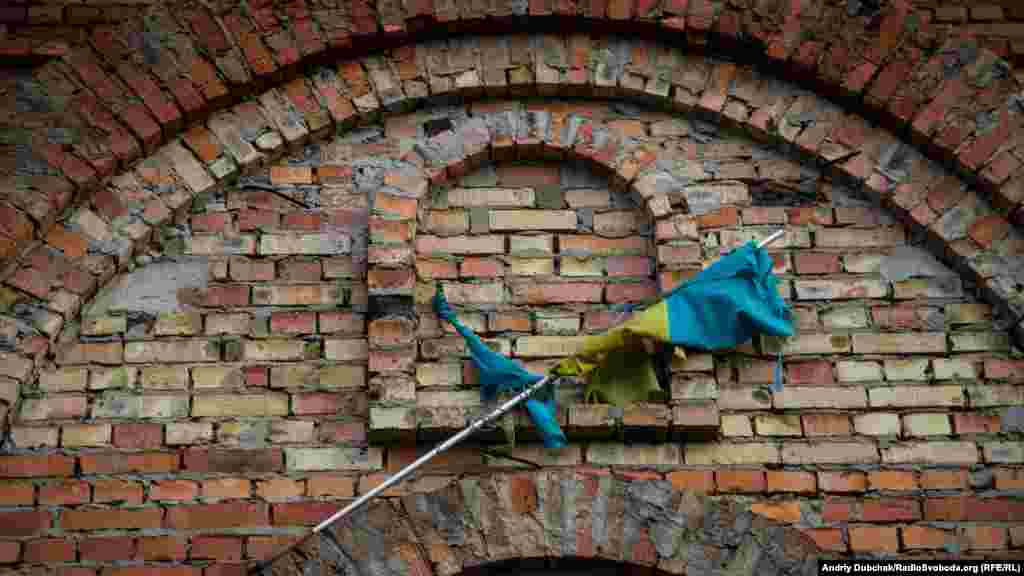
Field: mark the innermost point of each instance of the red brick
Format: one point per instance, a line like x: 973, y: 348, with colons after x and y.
x: 330, y: 484
x: 225, y: 296
x: 826, y: 424
x: 352, y: 433
x: 72, y: 244
x: 138, y: 436
x: 395, y: 206
x: 226, y: 488
x: 890, y: 510
x: 174, y: 490
x: 721, y: 218
x: 787, y: 512
x: 795, y: 481
x: 1010, y: 479
x: 122, y: 491
x: 264, y: 547
x: 764, y: 215
x: 299, y: 270
x: 24, y: 522
x: 436, y: 269
x: 293, y: 322
x: 107, y: 549
x: 827, y: 538
x: 809, y: 215
x: 217, y: 516
x: 623, y: 266
x: 302, y: 513
x: 202, y: 142
x: 481, y: 268
x: 36, y: 466
x: 64, y: 493
x: 119, y: 463
x: 925, y: 537
x: 49, y: 551
x: 985, y: 537
x: 166, y: 548
x: 944, y: 479
x: 280, y: 489
x: 892, y: 480
x: 257, y: 220
x: 1002, y: 369
x: 17, y: 494
x: 842, y: 482
x: 110, y: 519
x: 14, y: 223
x: 220, y: 548
x: 693, y: 480
x: 386, y: 279
x: 740, y: 480
x: 630, y: 292
x: 809, y: 373
x: 234, y: 461
x: 528, y: 175
x: 9, y: 552
x: 874, y: 539
x: 162, y: 570
x: 816, y: 263
x: 302, y: 221
x: 959, y: 508
x: 971, y: 423
x: 509, y: 322
x: 212, y: 222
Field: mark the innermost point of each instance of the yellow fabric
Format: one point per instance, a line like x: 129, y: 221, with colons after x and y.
x: 651, y: 323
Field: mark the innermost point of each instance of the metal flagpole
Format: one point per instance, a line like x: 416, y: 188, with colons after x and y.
x: 508, y: 405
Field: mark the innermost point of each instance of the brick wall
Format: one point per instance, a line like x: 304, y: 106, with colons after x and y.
x: 286, y: 367
x: 214, y: 431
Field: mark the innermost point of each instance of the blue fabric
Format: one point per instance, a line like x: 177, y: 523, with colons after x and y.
x: 721, y: 308
x: 729, y: 302
x: 500, y: 374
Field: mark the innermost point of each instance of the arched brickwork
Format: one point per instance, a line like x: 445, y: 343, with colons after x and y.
x: 136, y: 84
x: 84, y: 250
x: 99, y: 238
x: 581, y: 513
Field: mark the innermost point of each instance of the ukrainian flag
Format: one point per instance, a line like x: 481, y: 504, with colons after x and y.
x: 721, y: 308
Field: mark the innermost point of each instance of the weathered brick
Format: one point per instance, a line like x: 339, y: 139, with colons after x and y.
x: 916, y: 343
x: 830, y: 453
x: 485, y: 244
x: 917, y: 396
x: 64, y: 380
x: 791, y: 481
x: 491, y: 197
x: 842, y: 482
x: 218, y: 516
x: 823, y: 397
x: 926, y: 425
x: 633, y: 455
x: 85, y: 435
x: 270, y: 404
x: 732, y: 454
x: 172, y: 351
x: 859, y: 238
x: 302, y: 459
x: 877, y: 424
x: 934, y: 453
x: 826, y: 424
x: 740, y: 480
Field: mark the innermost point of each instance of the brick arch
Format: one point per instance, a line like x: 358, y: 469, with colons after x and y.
x: 85, y: 250
x: 557, y: 513
x: 889, y: 59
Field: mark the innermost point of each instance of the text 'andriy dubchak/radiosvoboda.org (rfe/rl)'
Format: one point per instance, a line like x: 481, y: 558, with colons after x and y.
x: 919, y: 567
